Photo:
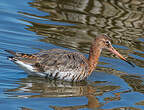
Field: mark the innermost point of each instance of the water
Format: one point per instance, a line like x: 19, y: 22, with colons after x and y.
x: 30, y: 26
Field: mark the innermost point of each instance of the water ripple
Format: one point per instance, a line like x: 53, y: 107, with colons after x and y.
x: 30, y: 26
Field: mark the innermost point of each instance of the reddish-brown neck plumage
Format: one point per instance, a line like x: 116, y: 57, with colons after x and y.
x: 94, y: 54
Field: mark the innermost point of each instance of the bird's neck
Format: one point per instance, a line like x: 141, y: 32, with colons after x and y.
x: 94, y: 55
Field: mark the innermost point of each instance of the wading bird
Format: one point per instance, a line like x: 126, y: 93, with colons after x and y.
x: 62, y: 64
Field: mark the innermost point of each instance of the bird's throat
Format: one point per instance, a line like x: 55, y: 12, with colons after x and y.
x: 94, y: 55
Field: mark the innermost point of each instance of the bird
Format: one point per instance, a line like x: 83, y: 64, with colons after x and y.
x: 60, y: 64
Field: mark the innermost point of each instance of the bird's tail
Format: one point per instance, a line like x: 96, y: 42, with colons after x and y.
x: 20, y: 55
x: 12, y: 58
x: 11, y: 52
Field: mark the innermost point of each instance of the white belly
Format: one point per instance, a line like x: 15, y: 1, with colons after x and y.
x: 70, y: 75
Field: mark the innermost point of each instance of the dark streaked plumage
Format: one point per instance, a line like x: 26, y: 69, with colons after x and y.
x: 62, y: 64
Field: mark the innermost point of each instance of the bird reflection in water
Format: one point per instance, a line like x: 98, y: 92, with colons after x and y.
x: 35, y: 87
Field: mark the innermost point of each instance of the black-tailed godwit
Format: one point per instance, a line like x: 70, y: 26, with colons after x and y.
x: 62, y: 64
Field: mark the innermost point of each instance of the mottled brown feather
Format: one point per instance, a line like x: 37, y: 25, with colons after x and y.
x: 57, y: 58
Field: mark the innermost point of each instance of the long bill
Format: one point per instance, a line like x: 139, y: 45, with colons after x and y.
x: 111, y: 49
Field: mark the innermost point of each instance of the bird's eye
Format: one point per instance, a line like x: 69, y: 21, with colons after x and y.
x: 107, y: 43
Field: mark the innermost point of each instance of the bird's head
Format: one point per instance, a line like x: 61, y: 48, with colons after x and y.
x: 104, y: 42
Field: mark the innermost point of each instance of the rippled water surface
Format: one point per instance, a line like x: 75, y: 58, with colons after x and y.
x: 33, y: 25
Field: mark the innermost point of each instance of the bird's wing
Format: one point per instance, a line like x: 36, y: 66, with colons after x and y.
x: 60, y: 59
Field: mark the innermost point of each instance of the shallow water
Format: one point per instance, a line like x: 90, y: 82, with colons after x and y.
x: 30, y: 26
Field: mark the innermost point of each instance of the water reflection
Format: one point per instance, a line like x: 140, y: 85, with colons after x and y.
x: 122, y: 20
x: 80, y: 107
x: 50, y: 88
x: 136, y: 82
x: 121, y: 108
x: 33, y: 87
x: 74, y: 24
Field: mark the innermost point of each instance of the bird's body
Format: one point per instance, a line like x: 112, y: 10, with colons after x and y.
x: 62, y: 64
x: 54, y: 63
